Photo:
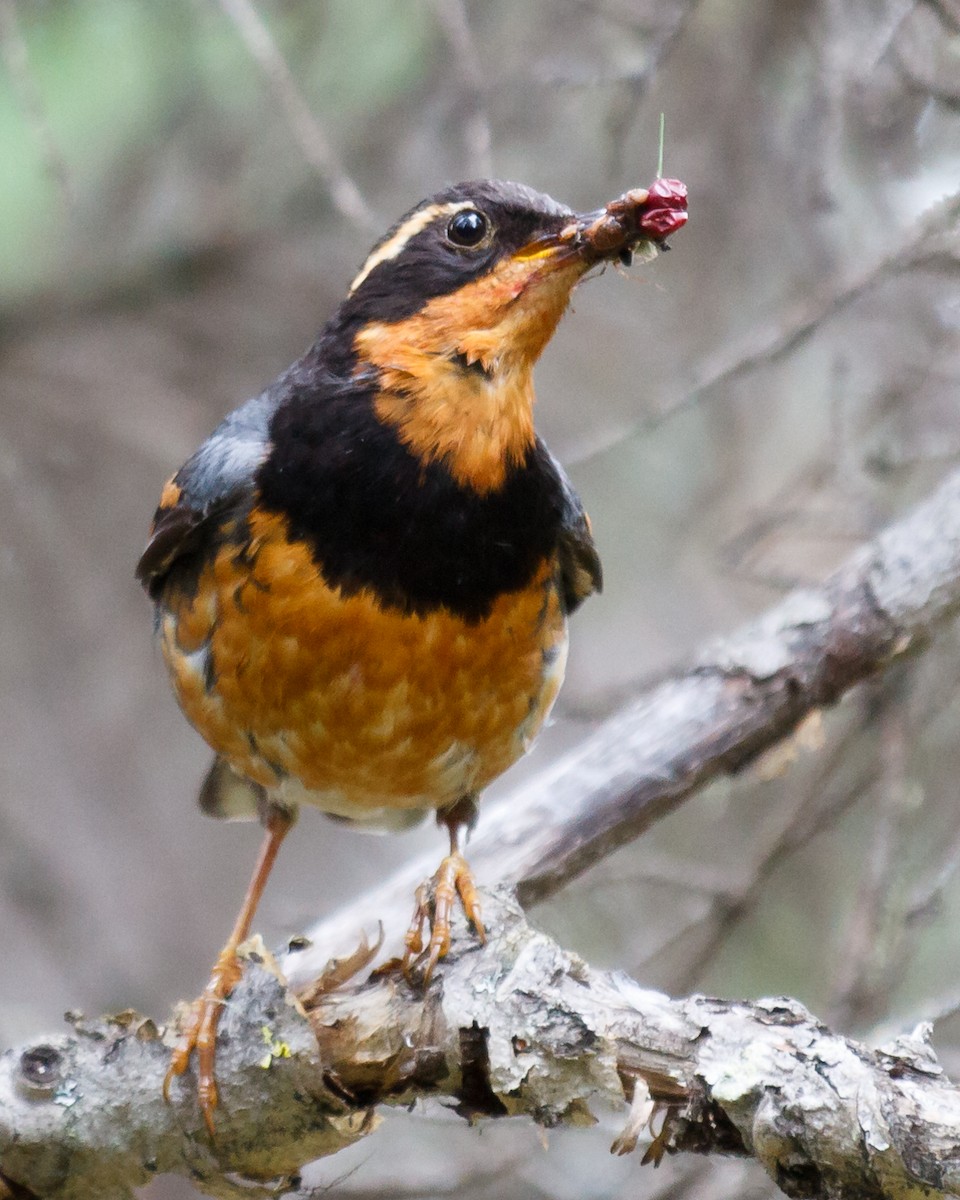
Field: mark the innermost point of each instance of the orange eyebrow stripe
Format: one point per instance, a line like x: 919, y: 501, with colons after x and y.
x: 394, y: 246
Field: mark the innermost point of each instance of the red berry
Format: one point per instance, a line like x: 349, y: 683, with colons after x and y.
x: 666, y: 209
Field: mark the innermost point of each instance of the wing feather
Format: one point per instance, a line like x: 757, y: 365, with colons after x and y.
x: 580, y: 571
x: 215, y: 482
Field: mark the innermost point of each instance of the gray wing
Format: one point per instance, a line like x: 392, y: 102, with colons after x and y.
x: 217, y: 479
x: 581, y: 573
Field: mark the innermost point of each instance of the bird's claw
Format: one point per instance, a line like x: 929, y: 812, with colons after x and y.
x: 199, y: 1033
x: 453, y: 879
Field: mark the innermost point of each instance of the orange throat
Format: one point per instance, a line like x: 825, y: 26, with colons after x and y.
x: 456, y: 378
x: 477, y: 429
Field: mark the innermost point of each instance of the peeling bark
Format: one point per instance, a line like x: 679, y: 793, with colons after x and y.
x: 518, y: 1026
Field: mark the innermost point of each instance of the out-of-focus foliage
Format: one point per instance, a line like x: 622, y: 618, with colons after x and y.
x: 737, y: 416
x: 165, y: 134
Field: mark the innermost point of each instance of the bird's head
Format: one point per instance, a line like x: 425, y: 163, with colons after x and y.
x: 455, y: 304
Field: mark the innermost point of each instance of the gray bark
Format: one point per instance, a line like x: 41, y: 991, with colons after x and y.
x: 516, y: 1027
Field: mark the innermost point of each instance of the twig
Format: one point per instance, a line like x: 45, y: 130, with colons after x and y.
x: 926, y: 899
x: 822, y: 805
x: 317, y: 150
x: 14, y: 51
x: 478, y: 139
x: 624, y: 111
x: 872, y: 929
x: 879, y: 44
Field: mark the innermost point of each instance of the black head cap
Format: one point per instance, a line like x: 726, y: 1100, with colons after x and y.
x: 448, y: 240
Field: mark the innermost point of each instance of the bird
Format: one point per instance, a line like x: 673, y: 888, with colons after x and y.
x: 362, y: 578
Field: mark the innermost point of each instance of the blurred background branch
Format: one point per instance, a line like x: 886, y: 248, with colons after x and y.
x: 313, y: 142
x: 477, y: 136
x: 17, y: 63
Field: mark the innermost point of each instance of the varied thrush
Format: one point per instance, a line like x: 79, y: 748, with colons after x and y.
x: 362, y: 578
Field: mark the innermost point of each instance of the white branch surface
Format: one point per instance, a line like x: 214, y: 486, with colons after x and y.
x: 521, y: 1026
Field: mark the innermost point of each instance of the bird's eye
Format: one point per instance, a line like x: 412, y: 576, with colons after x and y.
x: 467, y: 227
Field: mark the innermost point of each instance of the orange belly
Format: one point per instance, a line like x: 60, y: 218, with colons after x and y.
x: 335, y: 700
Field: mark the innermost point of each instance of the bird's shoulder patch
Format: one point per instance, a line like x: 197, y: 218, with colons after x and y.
x: 213, y: 486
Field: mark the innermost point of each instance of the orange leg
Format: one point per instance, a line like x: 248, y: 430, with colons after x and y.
x: 453, y: 878
x: 200, y: 1030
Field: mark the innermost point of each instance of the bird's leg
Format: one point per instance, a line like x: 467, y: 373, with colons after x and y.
x: 453, y: 878
x: 200, y: 1030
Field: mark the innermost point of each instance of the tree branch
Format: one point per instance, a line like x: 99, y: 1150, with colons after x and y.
x: 521, y: 1026
x: 516, y: 1027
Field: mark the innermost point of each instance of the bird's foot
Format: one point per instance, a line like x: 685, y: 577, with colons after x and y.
x: 199, y: 1033
x: 453, y: 878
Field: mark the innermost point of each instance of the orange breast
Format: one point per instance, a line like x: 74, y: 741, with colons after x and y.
x: 300, y: 687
